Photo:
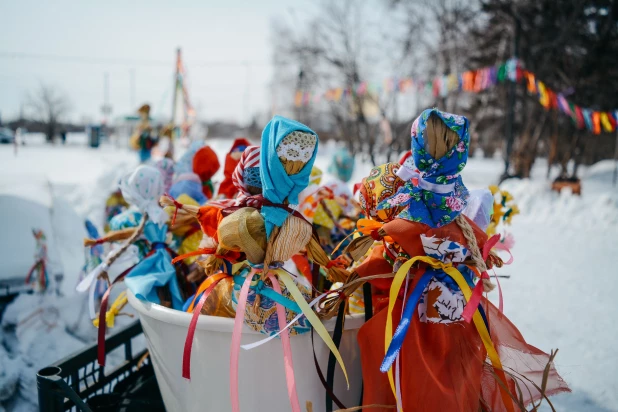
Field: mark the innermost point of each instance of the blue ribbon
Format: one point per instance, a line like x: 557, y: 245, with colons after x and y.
x: 404, y: 324
x: 261, y: 289
x: 158, y: 245
x: 406, y: 320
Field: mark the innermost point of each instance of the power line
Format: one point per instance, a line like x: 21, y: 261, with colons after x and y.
x: 124, y: 61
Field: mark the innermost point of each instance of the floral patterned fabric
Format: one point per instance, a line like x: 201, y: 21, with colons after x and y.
x: 251, y: 177
x: 263, y: 317
x: 427, y: 206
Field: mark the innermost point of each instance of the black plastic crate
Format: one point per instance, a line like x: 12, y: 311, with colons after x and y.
x: 79, y: 383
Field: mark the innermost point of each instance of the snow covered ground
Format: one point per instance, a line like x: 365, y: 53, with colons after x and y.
x: 561, y: 293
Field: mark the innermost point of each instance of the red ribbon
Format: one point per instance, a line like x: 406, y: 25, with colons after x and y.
x: 102, y: 313
x: 477, y: 292
x: 177, y: 206
x: 186, y: 355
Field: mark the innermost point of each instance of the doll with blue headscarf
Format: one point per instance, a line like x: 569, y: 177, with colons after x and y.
x: 436, y: 317
x: 288, y: 151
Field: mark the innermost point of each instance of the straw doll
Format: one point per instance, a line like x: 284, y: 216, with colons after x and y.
x: 41, y: 279
x: 449, y: 348
x: 227, y: 189
x: 143, y: 139
x: 205, y: 165
x: 266, y: 296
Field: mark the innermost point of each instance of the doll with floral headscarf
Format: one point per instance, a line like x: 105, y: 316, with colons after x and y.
x: 447, y: 349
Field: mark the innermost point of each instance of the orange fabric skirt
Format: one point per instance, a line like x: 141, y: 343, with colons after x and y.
x: 444, y: 368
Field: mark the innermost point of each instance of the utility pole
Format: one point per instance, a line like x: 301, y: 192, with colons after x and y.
x: 299, y: 89
x: 512, y: 94
x: 106, y: 109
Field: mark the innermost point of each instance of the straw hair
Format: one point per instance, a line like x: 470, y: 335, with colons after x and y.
x: 288, y: 240
x: 475, y: 251
x: 439, y: 138
x: 244, y: 231
x: 319, y: 256
x: 145, y: 108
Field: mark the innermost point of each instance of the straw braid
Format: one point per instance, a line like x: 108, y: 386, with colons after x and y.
x: 475, y: 251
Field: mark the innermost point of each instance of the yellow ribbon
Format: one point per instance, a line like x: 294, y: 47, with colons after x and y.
x: 312, y: 318
x: 476, y: 318
x: 114, y: 310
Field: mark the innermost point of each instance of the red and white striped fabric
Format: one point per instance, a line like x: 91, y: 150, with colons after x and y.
x: 249, y: 158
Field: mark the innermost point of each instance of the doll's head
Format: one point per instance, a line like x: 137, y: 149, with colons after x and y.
x: 381, y: 184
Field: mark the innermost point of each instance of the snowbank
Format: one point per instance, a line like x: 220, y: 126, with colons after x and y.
x: 561, y: 293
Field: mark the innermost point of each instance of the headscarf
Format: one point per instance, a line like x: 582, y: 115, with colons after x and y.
x: 227, y: 188
x: 205, y: 165
x: 190, y: 188
x: 381, y: 184
x: 342, y: 165
x: 277, y: 185
x: 185, y: 163
x: 438, y: 196
x: 187, y: 176
x: 247, y: 171
x: 166, y: 167
x: 143, y: 188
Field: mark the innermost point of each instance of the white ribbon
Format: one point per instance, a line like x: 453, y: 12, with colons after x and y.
x: 128, y: 259
x: 407, y: 174
x: 254, y: 345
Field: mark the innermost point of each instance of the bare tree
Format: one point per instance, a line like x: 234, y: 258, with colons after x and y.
x: 48, y: 105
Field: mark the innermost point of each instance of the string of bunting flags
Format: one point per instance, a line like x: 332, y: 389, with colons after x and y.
x: 475, y: 81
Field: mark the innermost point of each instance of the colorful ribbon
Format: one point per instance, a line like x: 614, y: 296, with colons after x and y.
x: 392, y: 350
x: 236, y: 336
x: 287, y: 349
x: 312, y: 318
x: 207, y: 286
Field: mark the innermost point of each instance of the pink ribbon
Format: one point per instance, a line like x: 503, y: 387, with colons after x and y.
x: 186, y: 356
x: 502, y: 246
x: 477, y: 292
x: 287, y: 349
x: 236, y: 335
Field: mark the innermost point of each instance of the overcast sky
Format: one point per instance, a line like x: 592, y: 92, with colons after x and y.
x: 216, y: 37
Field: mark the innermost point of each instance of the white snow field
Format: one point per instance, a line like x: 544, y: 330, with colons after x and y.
x: 561, y: 292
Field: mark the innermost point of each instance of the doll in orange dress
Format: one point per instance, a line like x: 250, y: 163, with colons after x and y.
x: 440, y: 345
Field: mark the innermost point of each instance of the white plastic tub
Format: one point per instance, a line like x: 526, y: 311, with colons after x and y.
x: 262, y: 383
